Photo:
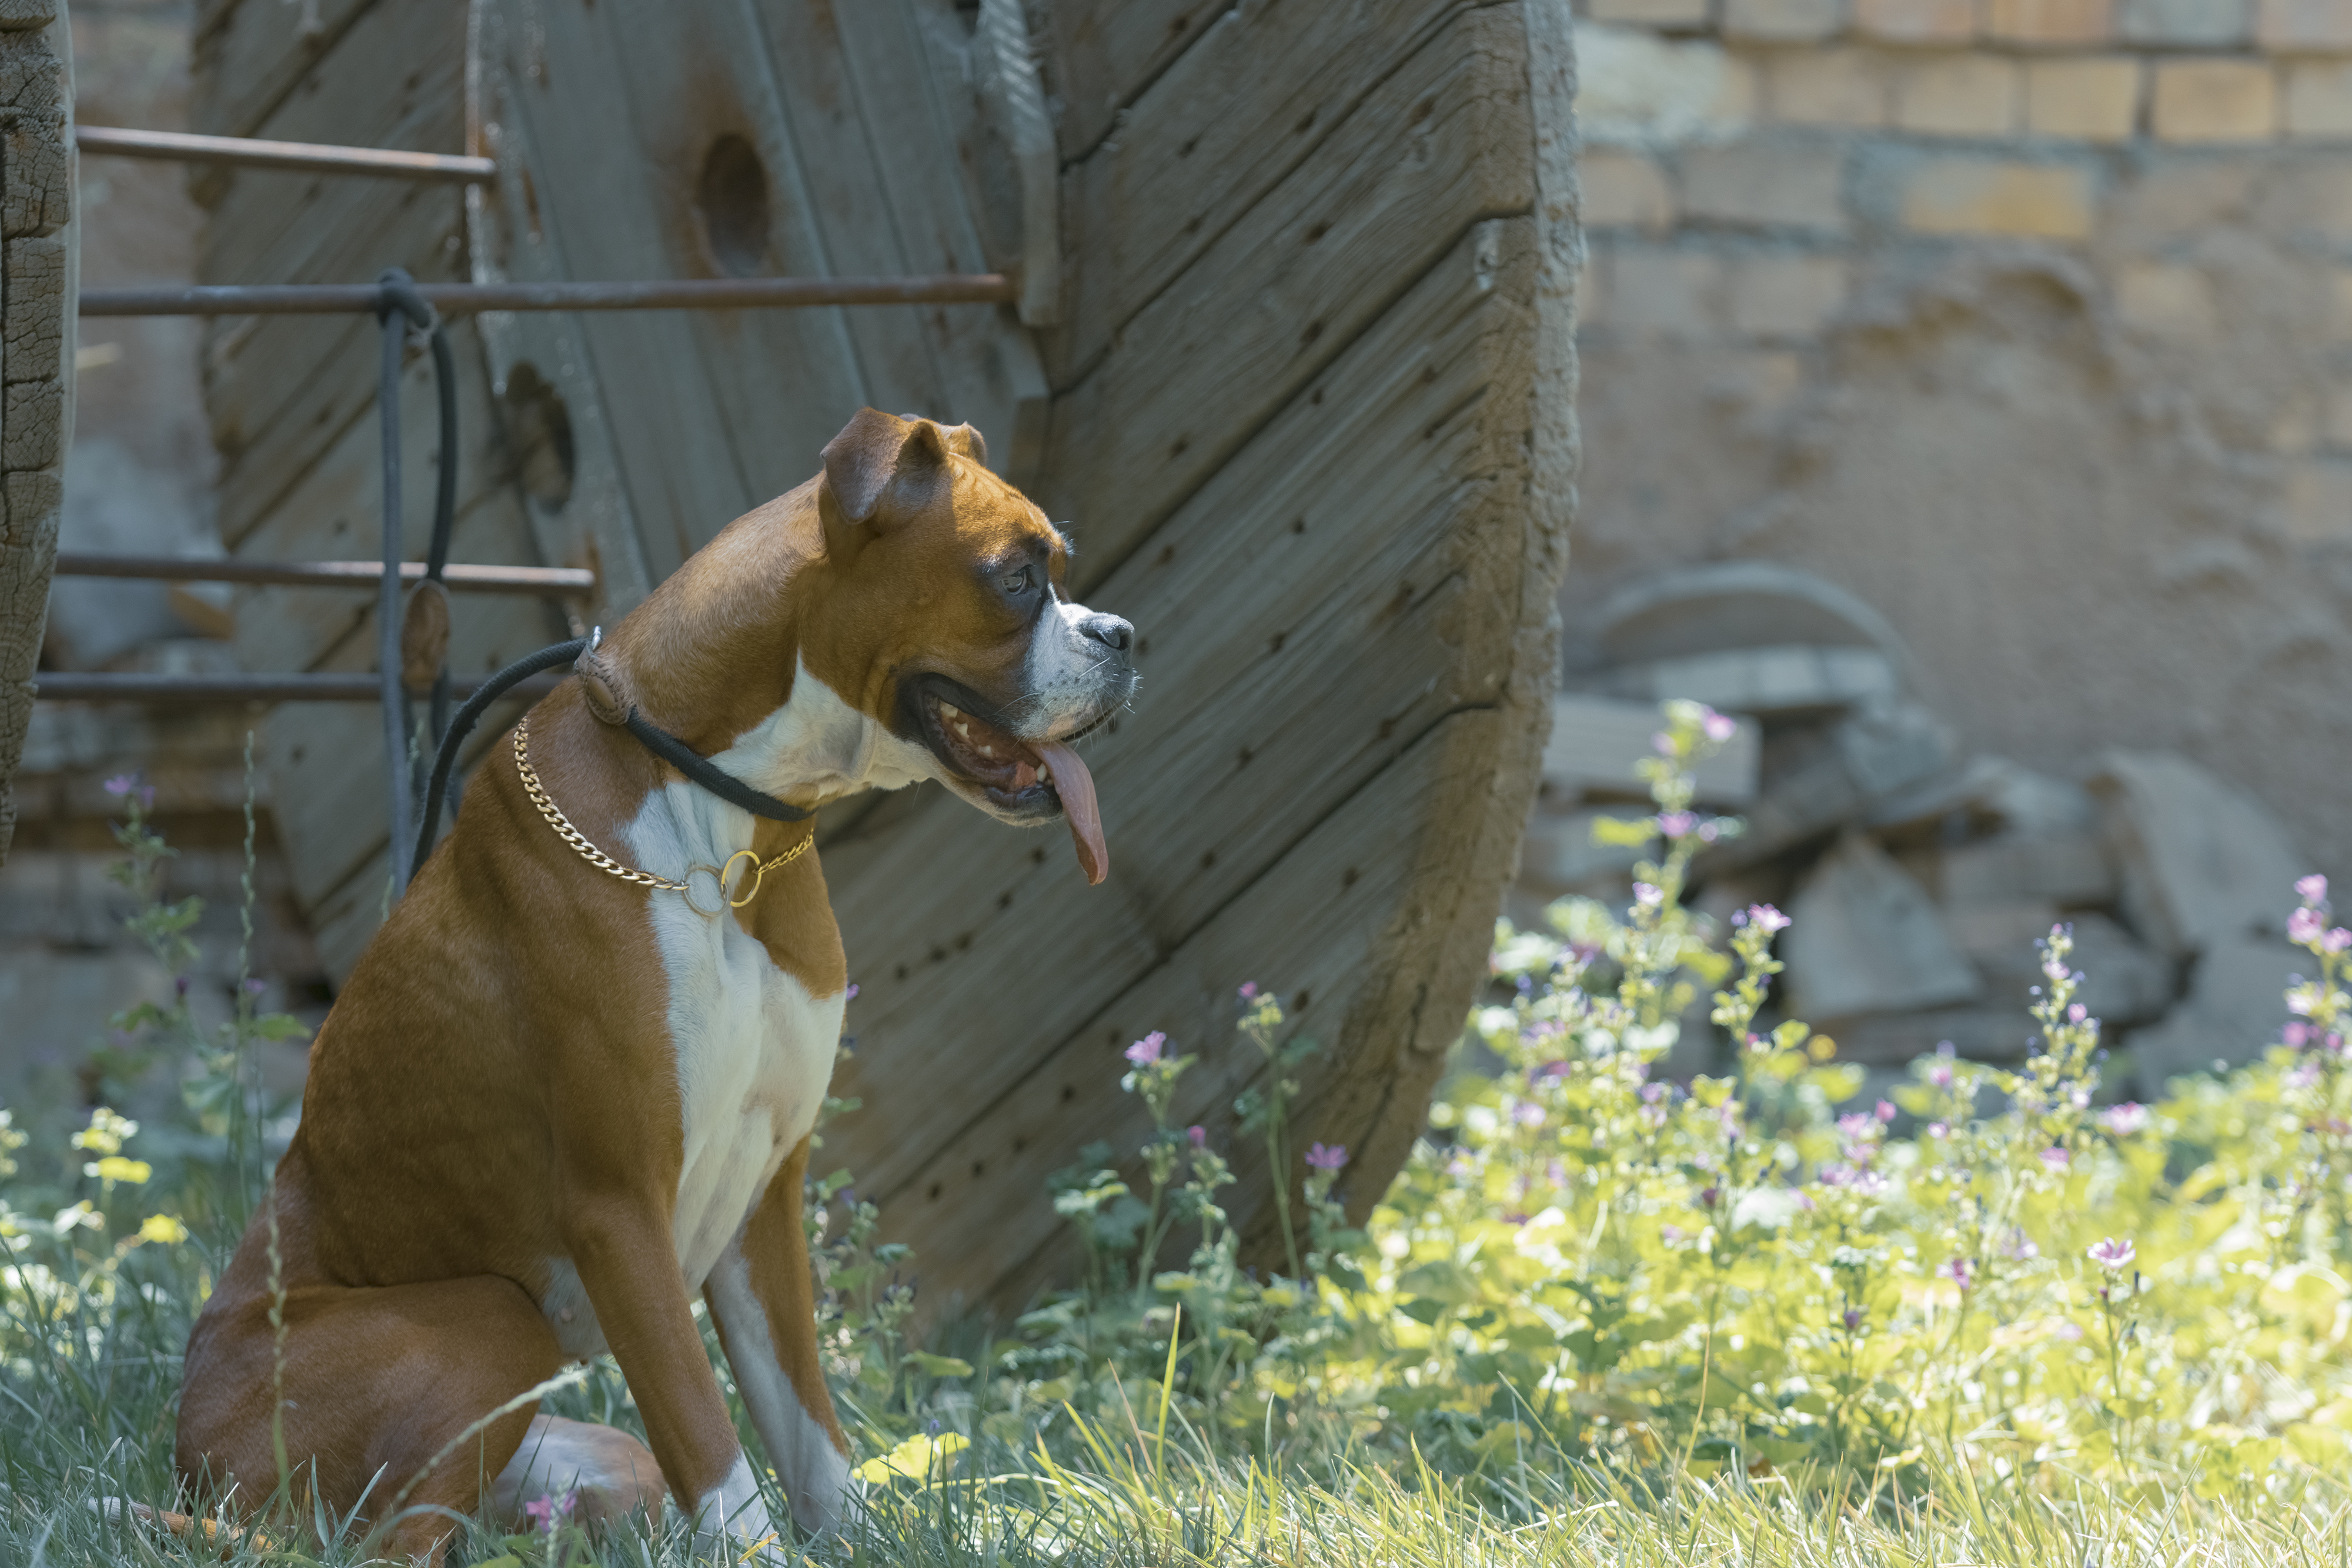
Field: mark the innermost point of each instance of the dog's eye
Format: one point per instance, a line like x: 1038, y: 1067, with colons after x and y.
x: 1018, y: 583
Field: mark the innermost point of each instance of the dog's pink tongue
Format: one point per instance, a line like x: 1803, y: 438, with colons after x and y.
x: 1075, y: 786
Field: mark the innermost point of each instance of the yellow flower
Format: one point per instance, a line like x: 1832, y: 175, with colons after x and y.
x: 115, y: 1167
x: 105, y: 1134
x: 919, y: 1459
x: 162, y: 1228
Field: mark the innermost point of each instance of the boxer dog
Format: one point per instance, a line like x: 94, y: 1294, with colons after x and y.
x: 561, y: 1093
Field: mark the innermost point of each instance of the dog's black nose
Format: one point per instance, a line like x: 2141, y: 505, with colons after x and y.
x: 1111, y: 631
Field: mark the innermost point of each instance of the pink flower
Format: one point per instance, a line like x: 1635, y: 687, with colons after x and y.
x: 1884, y: 1111
x: 1249, y: 990
x: 1675, y: 824
x: 2312, y: 889
x: 1200, y: 1136
x: 1959, y: 1271
x: 2297, y: 1034
x: 2111, y: 1255
x: 1939, y: 1130
x: 1327, y: 1157
x: 1528, y: 1114
x: 2057, y: 1159
x: 1146, y: 1052
x: 1662, y: 744
x: 1768, y: 917
x: 1670, y: 1233
x: 2077, y: 1013
x: 2337, y: 939
x: 1718, y: 727
x: 1940, y: 1075
x: 2126, y: 1119
x: 1643, y: 893
x: 545, y: 1511
x: 2305, y: 926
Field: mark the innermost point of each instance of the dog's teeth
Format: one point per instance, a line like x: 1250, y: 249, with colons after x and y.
x: 1044, y: 774
x: 988, y: 750
x: 949, y: 710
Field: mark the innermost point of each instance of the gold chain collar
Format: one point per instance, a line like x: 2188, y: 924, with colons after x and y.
x: 605, y: 863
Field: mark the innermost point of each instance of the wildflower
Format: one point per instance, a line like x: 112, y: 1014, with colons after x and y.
x: 1804, y: 1199
x: 2019, y: 1247
x: 2305, y: 926
x: 1959, y: 1271
x: 1200, y: 1136
x: 2337, y: 939
x: 1939, y: 1130
x: 1940, y: 1075
x: 2055, y: 967
x: 1857, y: 1125
x: 1836, y: 1176
x: 2057, y: 1159
x: 2077, y: 1013
x: 1708, y: 1196
x: 1884, y: 1111
x: 1676, y: 824
x: 2111, y: 1255
x: 1528, y: 1114
x: 1767, y: 917
x: 850, y: 995
x: 2126, y: 1119
x: 162, y: 1228
x: 2312, y: 889
x: 545, y: 1511
x: 1718, y: 727
x: 1249, y: 990
x: 131, y: 786
x: 1654, y: 1092
x: 1852, y: 1319
x: 1647, y: 895
x: 1146, y: 1052
x: 1327, y: 1156
x: 1662, y: 744
x: 1670, y: 1233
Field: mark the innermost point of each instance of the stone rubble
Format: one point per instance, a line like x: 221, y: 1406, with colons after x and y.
x: 1919, y: 877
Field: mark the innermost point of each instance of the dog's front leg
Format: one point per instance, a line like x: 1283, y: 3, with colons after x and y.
x: 764, y: 1301
x: 621, y: 1248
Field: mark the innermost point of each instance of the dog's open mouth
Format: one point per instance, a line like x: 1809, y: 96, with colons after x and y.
x: 1023, y: 777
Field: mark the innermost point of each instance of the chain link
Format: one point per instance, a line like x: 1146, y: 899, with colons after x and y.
x: 605, y: 863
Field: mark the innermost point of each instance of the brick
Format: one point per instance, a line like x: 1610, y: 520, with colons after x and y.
x: 2083, y: 99
x: 1826, y: 87
x: 2050, y: 21
x: 2175, y: 199
x: 1659, y: 293
x: 1639, y: 89
x: 1786, y: 295
x: 2291, y: 24
x: 1958, y: 95
x: 2179, y: 24
x: 1998, y: 196
x: 2165, y: 301
x: 1919, y: 21
x: 1766, y: 185
x: 1782, y: 21
x: 2307, y: 199
x: 2214, y: 102
x: 1761, y: 382
x: 2316, y: 503
x: 1626, y: 190
x: 2318, y: 99
x: 1651, y: 13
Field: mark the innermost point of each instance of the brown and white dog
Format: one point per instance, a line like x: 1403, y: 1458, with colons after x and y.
x: 550, y: 1104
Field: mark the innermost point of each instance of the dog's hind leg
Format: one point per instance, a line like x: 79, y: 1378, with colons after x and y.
x: 765, y: 1305
x: 376, y: 1384
x: 601, y: 1473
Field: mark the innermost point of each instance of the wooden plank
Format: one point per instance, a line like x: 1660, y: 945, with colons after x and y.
x: 975, y: 1206
x: 248, y: 55
x: 1442, y: 144
x: 1279, y: 703
x: 1213, y: 135
x: 1102, y: 53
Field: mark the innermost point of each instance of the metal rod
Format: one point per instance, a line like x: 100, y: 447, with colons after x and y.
x: 109, y: 686
x: 469, y: 299
x: 567, y: 582
x: 253, y: 153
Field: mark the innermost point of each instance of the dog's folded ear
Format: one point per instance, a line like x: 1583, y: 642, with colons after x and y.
x: 874, y: 450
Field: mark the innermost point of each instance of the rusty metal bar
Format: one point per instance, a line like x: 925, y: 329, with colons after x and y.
x: 564, y: 581
x: 109, y: 686
x: 308, y: 156
x: 470, y: 299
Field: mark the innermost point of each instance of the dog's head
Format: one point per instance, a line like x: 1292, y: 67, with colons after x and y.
x: 945, y: 616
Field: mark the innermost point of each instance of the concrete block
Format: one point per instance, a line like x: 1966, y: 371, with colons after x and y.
x: 1975, y: 1034
x: 1987, y: 931
x: 2317, y: 501
x: 1867, y: 938
x: 1596, y: 741
x: 1636, y: 89
x: 2068, y: 869
x: 2318, y: 99
x: 2059, y: 23
x: 2184, y: 24
x: 1999, y: 196
x: 1835, y: 774
x: 1782, y: 21
x: 2289, y: 25
x: 1774, y: 682
x: 2211, y: 102
x: 1625, y: 189
x: 1826, y: 87
x: 1649, y: 13
x: 2197, y: 861
x: 2235, y: 1009
x: 1655, y: 292
x: 1786, y: 295
x: 1919, y: 21
x: 2094, y: 98
x: 1958, y: 95
x: 1766, y: 185
x: 2164, y: 300
x: 2123, y: 981
x: 1990, y: 795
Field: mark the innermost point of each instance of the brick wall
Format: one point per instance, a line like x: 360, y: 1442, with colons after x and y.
x: 2031, y: 320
